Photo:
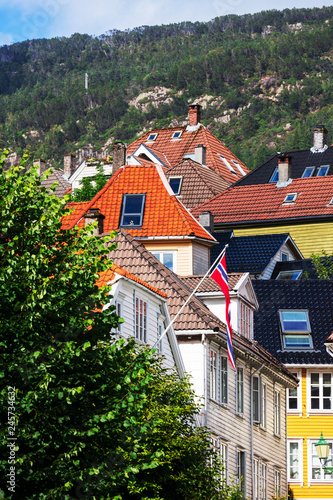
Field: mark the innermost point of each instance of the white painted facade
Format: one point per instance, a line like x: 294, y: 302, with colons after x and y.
x: 87, y: 169
x: 286, y: 252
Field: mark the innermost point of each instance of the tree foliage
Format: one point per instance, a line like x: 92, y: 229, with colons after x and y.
x: 323, y: 264
x: 90, y: 186
x: 95, y: 417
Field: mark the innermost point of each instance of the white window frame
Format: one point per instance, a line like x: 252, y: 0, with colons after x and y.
x: 277, y: 412
x: 263, y: 420
x: 224, y: 460
x: 299, y: 442
x: 224, y: 376
x: 297, y: 394
x: 326, y: 167
x: 286, y: 255
x: 322, y: 479
x: 288, y: 334
x: 245, y: 320
x: 140, y: 319
x: 319, y: 410
x: 180, y: 183
x: 157, y: 253
x: 160, y: 329
x: 256, y: 399
x: 241, y: 460
x: 179, y: 136
x: 263, y: 481
x: 227, y: 164
x: 240, y: 391
x: 213, y: 357
x: 256, y: 479
x: 277, y: 482
x: 297, y: 272
x: 275, y: 175
x: 237, y: 165
x: 307, y: 169
x: 151, y: 137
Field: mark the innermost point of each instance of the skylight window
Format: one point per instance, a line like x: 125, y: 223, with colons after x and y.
x: 227, y: 164
x: 275, y: 175
x: 322, y: 171
x: 308, y: 172
x: 237, y: 165
x: 132, y: 210
x: 176, y: 135
x: 290, y: 198
x: 152, y: 137
x: 296, y: 329
x: 176, y: 184
x: 289, y: 275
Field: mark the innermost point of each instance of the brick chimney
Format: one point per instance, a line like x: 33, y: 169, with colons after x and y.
x: 319, y: 136
x: 284, y: 167
x: 94, y: 215
x: 41, y: 166
x: 206, y: 219
x: 194, y: 114
x: 200, y: 154
x: 69, y: 165
x: 119, y: 151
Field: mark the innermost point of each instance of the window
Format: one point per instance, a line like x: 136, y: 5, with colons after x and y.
x: 321, y: 391
x: 177, y: 134
x: 256, y: 399
x: 275, y: 175
x: 212, y: 376
x: 296, y: 330
x: 224, y: 379
x: 284, y: 257
x: 175, y: 184
x: 227, y: 164
x: 322, y: 171
x: 237, y: 165
x: 318, y: 472
x: 140, y: 320
x: 245, y: 321
x: 289, y: 275
x: 255, y: 495
x: 263, y: 489
x: 241, y: 470
x: 295, y: 459
x: 294, y: 397
x: 119, y: 311
x: 132, y: 209
x: 152, y: 137
x: 160, y: 330
x: 240, y: 390
x: 263, y: 405
x: 308, y: 172
x: 224, y: 460
x: 290, y: 198
x: 167, y: 258
x: 277, y: 483
x: 277, y: 413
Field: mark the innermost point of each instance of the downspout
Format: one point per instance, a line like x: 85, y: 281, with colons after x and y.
x: 204, y: 343
x: 251, y: 420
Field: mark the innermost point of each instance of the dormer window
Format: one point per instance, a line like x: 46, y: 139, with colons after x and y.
x: 296, y: 329
x: 308, y: 172
x: 275, y: 175
x: 151, y: 137
x: 322, y: 171
x: 177, y: 134
x: 290, y: 198
x: 132, y: 210
x: 175, y: 184
x: 237, y: 165
x: 227, y: 164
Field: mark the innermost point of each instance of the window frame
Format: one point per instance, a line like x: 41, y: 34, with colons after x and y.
x: 322, y: 167
x: 140, y: 327
x: 277, y: 412
x: 308, y: 169
x: 263, y: 481
x: 180, y: 183
x: 297, y: 396
x: 288, y: 334
x: 245, y: 320
x: 319, y: 410
x: 263, y: 419
x: 241, y: 469
x: 156, y: 253
x: 256, y: 401
x: 291, y: 272
x: 240, y: 391
x: 135, y: 214
x: 313, y: 454
x: 237, y: 165
x: 223, y: 380
x: 152, y: 137
x: 224, y: 460
x: 213, y: 374
x: 277, y: 482
x: 227, y: 164
x: 177, y: 132
x: 256, y: 479
x: 292, y: 200
x: 299, y: 442
x: 275, y: 175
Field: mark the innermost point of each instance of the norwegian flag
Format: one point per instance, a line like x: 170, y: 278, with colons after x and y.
x: 220, y: 276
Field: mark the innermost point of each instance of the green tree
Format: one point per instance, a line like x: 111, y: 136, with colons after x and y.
x: 323, y: 264
x: 90, y: 186
x: 94, y: 417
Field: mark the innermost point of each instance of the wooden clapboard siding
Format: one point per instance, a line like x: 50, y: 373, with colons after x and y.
x: 184, y: 257
x: 306, y: 425
x: 309, y: 237
x: 277, y: 258
x: 200, y: 259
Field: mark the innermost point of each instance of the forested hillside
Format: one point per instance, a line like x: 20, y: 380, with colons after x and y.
x: 264, y: 80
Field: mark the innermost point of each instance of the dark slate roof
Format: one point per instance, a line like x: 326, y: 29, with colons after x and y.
x: 247, y: 253
x: 300, y: 159
x: 305, y: 265
x: 314, y: 295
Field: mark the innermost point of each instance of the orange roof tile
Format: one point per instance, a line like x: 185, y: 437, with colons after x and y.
x: 265, y: 202
x: 175, y: 150
x: 163, y: 216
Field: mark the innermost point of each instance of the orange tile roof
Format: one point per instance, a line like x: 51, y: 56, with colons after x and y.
x: 110, y: 275
x: 265, y: 202
x: 174, y: 150
x: 164, y: 215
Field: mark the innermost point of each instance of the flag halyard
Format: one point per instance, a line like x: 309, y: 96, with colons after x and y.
x: 221, y: 277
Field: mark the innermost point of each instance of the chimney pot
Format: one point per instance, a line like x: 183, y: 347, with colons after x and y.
x: 119, y: 151
x: 194, y: 114
x: 41, y: 166
x: 284, y: 167
x: 200, y: 154
x: 94, y: 215
x: 206, y: 219
x: 319, y: 136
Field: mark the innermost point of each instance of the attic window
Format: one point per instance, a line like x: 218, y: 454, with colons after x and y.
x: 289, y: 275
x: 132, y: 210
x: 290, y: 198
x: 275, y: 176
x: 175, y: 184
x: 296, y: 329
x: 176, y: 135
x: 308, y: 172
x: 237, y: 165
x: 322, y: 171
x: 227, y: 164
x: 152, y: 137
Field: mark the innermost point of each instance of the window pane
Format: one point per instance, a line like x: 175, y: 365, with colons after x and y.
x: 175, y: 184
x: 131, y: 220
x: 297, y: 341
x: 133, y: 204
x: 168, y: 260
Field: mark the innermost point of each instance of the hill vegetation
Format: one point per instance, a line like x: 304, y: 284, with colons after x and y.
x: 264, y: 80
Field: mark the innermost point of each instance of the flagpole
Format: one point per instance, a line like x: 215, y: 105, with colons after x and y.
x: 196, y: 288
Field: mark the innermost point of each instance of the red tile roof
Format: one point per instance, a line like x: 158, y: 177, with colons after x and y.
x: 174, y: 150
x: 164, y: 215
x: 265, y: 202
